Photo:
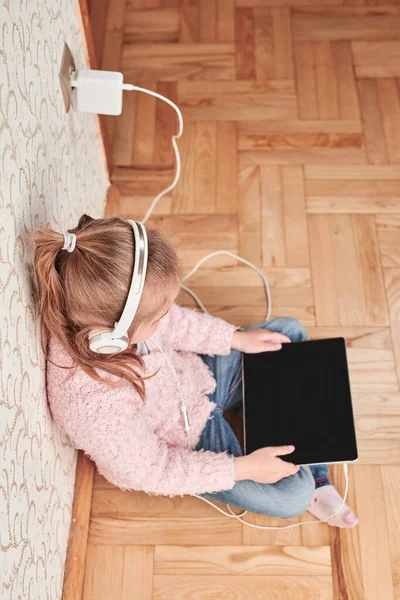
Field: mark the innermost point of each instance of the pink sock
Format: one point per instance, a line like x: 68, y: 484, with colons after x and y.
x: 325, y: 502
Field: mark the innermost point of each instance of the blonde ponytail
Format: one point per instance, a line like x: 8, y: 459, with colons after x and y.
x: 87, y: 289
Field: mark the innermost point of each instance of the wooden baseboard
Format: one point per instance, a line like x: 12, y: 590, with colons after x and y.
x: 78, y: 534
x: 83, y: 12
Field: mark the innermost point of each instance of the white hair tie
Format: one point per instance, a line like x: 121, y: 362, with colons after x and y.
x: 69, y: 241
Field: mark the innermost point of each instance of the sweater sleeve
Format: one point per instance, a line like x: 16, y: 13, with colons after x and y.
x: 192, y: 331
x: 130, y: 455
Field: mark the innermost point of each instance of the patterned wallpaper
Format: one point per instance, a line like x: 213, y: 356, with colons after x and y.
x: 52, y: 169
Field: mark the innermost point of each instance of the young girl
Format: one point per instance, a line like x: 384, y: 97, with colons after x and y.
x: 124, y: 409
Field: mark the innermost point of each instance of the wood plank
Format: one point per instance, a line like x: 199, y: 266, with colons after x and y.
x: 321, y: 127
x: 377, y: 59
x: 245, y: 51
x: 345, y: 546
x: 323, y: 271
x: 166, y: 125
x: 346, y: 85
x: 368, y: 260
x: 183, y: 193
x: 98, y: 20
x: 309, y: 26
x: 255, y: 296
x: 256, y: 3
x: 204, y: 168
x: 172, y: 62
x: 353, y: 187
x: 307, y: 156
x: 245, y: 316
x: 124, y: 128
x: 391, y: 487
x: 353, y: 204
x: 377, y: 417
x: 101, y: 561
x: 131, y: 568
x: 194, y: 236
x: 111, y: 502
x: 79, y: 530
x: 348, y: 276
x: 226, y: 20
x: 306, y: 81
x: 160, y: 531
x: 390, y: 109
x: 189, y: 22
x: 145, y: 125
x: 313, y: 536
x: 208, y: 21
x: 372, y: 120
x: 296, y: 235
x: 250, y: 215
x: 230, y: 275
x: 144, y: 4
x: 141, y: 182
x: 209, y: 587
x: 272, y: 218
x: 226, y: 192
x: 374, y: 544
x: 327, y: 88
x: 352, y: 196
x: 358, y: 8
x: 259, y: 560
x: 263, y: 44
x: 282, y: 43
x: 136, y: 208
x: 343, y: 172
x: 392, y: 282
x: 237, y: 100
x: 388, y: 230
x: 159, y: 25
x: 260, y: 141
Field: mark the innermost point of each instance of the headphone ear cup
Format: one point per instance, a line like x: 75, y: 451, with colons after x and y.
x: 102, y: 342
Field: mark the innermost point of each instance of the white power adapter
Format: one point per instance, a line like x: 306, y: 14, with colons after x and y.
x: 97, y: 91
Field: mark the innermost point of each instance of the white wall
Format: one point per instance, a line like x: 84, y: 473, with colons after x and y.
x: 52, y: 170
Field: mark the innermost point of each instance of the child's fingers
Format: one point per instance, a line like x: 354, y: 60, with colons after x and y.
x: 277, y: 337
x: 283, y: 450
x: 271, y: 347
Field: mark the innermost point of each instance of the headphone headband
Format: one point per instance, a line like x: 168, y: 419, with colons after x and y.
x: 116, y: 340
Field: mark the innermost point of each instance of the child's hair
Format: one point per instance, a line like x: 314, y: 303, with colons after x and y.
x: 87, y: 289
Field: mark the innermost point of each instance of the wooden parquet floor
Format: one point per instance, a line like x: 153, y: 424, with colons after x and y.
x: 291, y: 158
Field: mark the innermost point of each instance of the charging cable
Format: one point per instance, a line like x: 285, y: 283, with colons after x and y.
x: 129, y: 87
x: 115, y: 84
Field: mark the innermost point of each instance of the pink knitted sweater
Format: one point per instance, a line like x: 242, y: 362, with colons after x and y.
x: 143, y: 446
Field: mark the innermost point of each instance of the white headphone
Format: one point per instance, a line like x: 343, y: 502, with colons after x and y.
x: 108, y: 341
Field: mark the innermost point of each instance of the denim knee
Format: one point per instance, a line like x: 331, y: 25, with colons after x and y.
x: 292, y: 496
x: 290, y: 327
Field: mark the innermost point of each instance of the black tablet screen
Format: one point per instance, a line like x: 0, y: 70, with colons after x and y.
x: 300, y: 395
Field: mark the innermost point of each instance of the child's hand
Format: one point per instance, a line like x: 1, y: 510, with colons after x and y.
x: 264, y: 465
x: 258, y: 340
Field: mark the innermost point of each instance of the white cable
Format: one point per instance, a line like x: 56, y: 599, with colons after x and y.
x: 240, y: 259
x: 184, y: 411
x: 127, y: 86
x: 130, y: 87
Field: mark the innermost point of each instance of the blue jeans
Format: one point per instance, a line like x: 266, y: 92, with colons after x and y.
x: 290, y: 496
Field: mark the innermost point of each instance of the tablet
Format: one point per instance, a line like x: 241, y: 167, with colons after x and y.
x: 300, y: 395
